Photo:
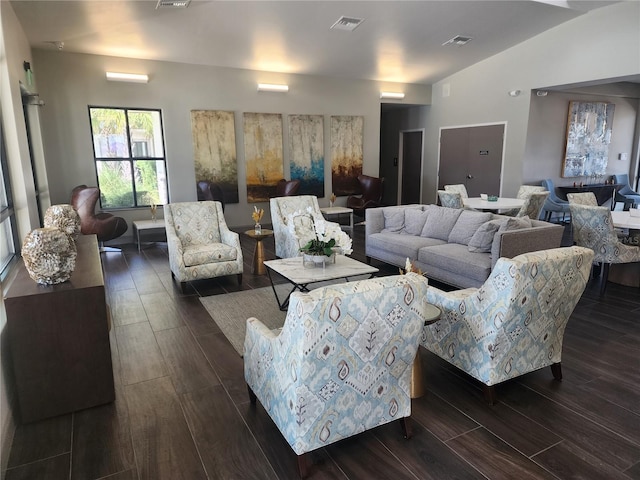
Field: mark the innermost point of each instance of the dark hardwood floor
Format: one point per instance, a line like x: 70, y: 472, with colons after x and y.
x: 182, y: 410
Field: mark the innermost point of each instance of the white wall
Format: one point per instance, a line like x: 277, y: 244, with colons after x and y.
x: 599, y: 45
x: 69, y: 82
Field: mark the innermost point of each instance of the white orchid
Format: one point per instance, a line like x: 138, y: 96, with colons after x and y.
x: 329, y: 237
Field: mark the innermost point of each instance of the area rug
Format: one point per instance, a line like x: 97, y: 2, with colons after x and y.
x: 230, y: 311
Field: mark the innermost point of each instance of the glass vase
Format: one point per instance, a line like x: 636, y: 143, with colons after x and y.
x: 258, y: 229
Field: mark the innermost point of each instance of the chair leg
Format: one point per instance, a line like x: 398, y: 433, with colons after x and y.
x: 556, y: 369
x: 252, y: 396
x: 405, y: 424
x: 303, y: 465
x: 239, y: 279
x: 605, y: 276
x: 182, y: 285
x: 490, y: 394
x: 368, y: 260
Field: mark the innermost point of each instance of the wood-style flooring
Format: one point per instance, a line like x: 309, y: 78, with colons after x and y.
x: 182, y: 410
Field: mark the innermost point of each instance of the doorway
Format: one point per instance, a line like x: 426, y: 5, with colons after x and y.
x: 472, y: 156
x: 410, y: 166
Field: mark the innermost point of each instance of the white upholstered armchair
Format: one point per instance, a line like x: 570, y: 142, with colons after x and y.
x: 342, y: 362
x: 515, y: 322
x: 290, y: 238
x: 200, y: 243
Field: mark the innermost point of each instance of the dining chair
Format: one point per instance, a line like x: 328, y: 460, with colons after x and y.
x: 523, y: 193
x: 450, y: 199
x: 593, y: 228
x: 553, y: 203
x: 626, y: 195
x: 459, y: 188
x: 582, y: 198
x: 533, y: 205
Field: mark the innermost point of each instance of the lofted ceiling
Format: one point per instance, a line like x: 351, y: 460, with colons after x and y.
x: 398, y: 41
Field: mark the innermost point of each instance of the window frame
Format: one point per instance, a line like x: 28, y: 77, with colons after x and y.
x: 131, y: 158
x: 8, y: 212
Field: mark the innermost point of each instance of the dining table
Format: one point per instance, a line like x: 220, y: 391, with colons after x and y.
x: 625, y: 219
x: 502, y: 203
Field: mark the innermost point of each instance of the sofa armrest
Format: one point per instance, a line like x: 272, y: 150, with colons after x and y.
x: 512, y: 243
x: 374, y: 220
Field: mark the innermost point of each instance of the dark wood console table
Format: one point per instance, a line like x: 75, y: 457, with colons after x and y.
x: 603, y: 192
x: 58, y: 337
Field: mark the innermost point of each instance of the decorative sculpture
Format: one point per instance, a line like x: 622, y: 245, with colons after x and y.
x: 49, y: 255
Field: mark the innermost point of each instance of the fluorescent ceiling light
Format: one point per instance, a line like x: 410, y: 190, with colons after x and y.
x: 127, y: 77
x: 396, y: 95
x: 272, y: 87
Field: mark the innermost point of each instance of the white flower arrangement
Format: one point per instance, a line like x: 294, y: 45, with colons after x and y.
x: 329, y: 237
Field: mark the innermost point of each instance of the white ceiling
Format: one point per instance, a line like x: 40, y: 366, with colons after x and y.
x: 399, y: 41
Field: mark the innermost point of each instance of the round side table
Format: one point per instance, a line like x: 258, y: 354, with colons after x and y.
x: 431, y: 315
x: 258, y: 267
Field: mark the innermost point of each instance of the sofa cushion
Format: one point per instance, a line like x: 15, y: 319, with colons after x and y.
x: 403, y: 245
x: 483, y: 237
x: 393, y: 220
x: 440, y: 223
x: 414, y: 221
x: 466, y: 225
x: 212, y: 253
x: 456, y: 258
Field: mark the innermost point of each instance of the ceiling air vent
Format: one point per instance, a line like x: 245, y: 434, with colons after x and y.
x: 348, y: 24
x: 457, y: 41
x: 173, y: 4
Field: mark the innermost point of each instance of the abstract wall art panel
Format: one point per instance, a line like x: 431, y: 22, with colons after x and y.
x: 346, y: 153
x: 214, y: 149
x: 588, y: 137
x: 263, y: 154
x: 306, y: 153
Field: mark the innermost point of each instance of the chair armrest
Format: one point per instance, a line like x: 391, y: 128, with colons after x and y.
x: 176, y: 251
x: 229, y: 237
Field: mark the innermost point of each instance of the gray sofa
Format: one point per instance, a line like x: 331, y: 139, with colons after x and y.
x: 454, y: 246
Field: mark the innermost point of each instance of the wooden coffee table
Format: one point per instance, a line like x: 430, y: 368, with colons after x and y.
x: 300, y: 277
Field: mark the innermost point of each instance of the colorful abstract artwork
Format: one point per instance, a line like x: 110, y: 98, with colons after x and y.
x: 346, y: 154
x: 588, y: 137
x: 263, y: 153
x: 214, y: 149
x: 306, y: 153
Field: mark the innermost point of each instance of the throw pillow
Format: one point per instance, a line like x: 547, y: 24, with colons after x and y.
x: 440, y: 223
x: 482, y: 239
x: 467, y: 224
x: 414, y: 220
x: 393, y: 220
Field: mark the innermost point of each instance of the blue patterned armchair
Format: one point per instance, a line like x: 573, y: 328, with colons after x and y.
x: 290, y: 238
x: 200, y: 243
x: 450, y: 199
x: 341, y: 363
x: 593, y: 228
x: 514, y: 323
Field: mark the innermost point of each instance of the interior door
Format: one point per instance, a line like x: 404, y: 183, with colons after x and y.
x: 472, y: 156
x: 411, y: 167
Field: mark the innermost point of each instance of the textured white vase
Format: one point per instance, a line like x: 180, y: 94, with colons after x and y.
x: 63, y: 217
x: 49, y: 255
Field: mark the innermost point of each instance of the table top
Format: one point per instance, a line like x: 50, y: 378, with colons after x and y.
x: 625, y: 220
x: 259, y: 236
x: 292, y: 269
x: 336, y: 210
x: 431, y: 314
x: 148, y: 224
x: 503, y: 203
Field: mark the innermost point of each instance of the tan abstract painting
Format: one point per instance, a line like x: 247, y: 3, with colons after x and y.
x: 346, y: 153
x: 214, y: 149
x: 263, y: 152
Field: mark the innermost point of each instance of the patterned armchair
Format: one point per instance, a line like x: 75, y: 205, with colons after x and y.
x: 524, y: 193
x: 450, y: 199
x: 514, y: 323
x: 342, y: 362
x: 457, y: 188
x: 593, y: 228
x: 289, y: 239
x: 200, y: 243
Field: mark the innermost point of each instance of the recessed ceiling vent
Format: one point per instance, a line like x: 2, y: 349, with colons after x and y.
x: 348, y: 24
x: 173, y: 4
x: 457, y: 41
